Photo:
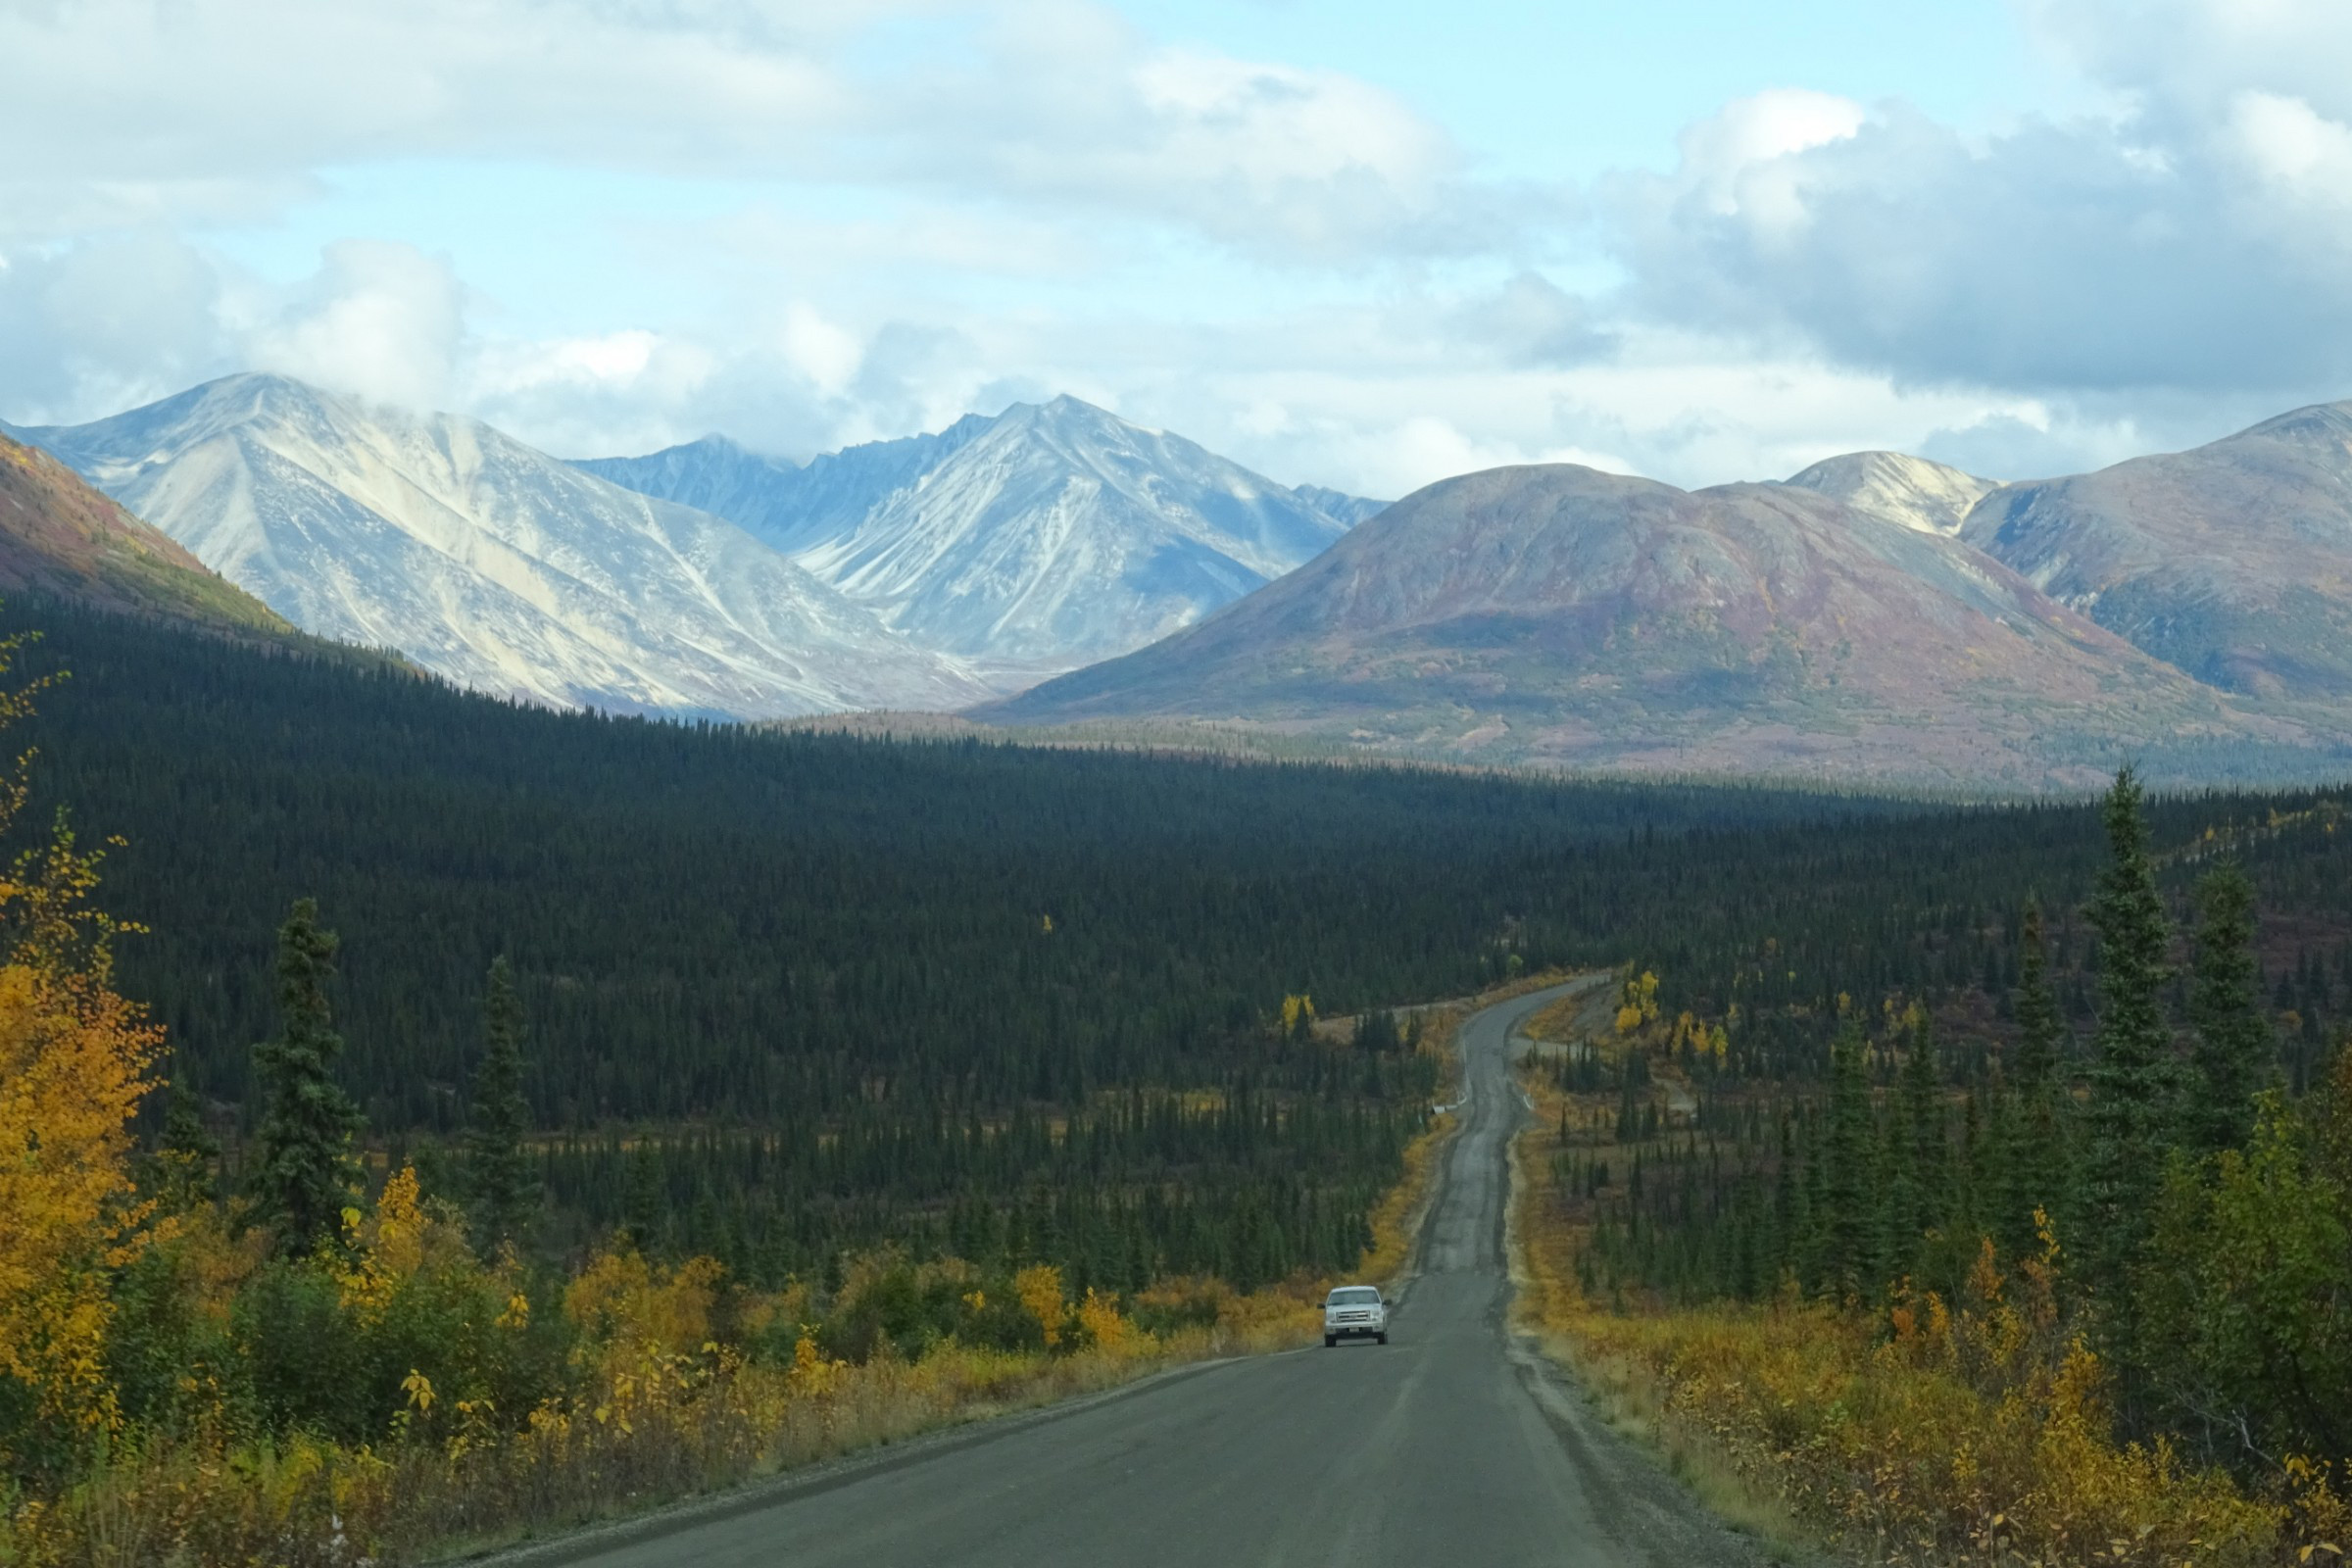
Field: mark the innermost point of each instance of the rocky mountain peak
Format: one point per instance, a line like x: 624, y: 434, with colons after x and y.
x: 492, y: 563
x: 1031, y: 540
x: 1927, y: 496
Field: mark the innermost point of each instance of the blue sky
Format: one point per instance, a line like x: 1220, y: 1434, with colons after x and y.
x: 1364, y: 245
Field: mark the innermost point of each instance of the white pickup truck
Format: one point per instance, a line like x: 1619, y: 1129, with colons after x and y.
x: 1354, y: 1312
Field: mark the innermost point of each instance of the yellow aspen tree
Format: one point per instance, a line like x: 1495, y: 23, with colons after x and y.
x: 74, y: 1063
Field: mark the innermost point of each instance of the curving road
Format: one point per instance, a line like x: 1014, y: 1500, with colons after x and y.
x: 1449, y: 1445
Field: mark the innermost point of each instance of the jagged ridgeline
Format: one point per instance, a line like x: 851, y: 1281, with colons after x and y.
x: 791, y: 994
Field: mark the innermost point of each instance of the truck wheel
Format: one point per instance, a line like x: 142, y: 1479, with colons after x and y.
x: 1330, y: 1340
x: 1381, y: 1338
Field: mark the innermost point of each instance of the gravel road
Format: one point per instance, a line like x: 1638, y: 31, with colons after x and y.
x: 1450, y: 1444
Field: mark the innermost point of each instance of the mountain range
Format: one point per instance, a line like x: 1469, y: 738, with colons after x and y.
x: 491, y: 563
x: 1049, y: 536
x: 1875, y: 617
x: 2233, y: 562
x: 923, y: 573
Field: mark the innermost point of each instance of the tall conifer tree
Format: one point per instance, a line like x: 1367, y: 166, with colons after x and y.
x: 1916, y: 1187
x: 304, y: 1176
x: 2232, y: 1055
x: 1846, y: 1219
x: 2031, y: 1134
x: 506, y: 1187
x: 186, y: 1153
x: 2041, y: 1026
x: 2134, y: 1080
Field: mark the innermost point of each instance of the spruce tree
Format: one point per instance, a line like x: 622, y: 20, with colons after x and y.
x: 187, y: 1153
x: 1916, y: 1147
x: 1788, y: 1208
x: 506, y: 1187
x: 2029, y: 1131
x: 645, y: 1203
x: 2134, y: 1080
x: 2231, y: 1057
x: 304, y: 1174
x: 2041, y: 1026
x: 1847, y: 1219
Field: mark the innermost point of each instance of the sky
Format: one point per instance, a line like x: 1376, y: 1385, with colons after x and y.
x: 1365, y: 245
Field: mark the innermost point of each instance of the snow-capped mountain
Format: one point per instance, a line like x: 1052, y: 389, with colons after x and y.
x: 1047, y: 537
x: 492, y: 563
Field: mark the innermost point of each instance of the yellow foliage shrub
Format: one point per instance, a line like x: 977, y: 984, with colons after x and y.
x: 1105, y: 1329
x: 1040, y: 1289
x: 622, y: 1301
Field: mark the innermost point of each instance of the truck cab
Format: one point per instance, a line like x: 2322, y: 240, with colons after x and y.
x: 1354, y: 1312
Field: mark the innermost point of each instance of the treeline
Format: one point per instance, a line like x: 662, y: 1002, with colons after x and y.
x: 1142, y: 1187
x: 2177, y: 1169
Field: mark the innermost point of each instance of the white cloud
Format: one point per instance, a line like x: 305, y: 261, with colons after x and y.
x: 2190, y: 57
x: 1739, y: 163
x: 149, y: 110
x: 379, y: 319
x: 2290, y: 148
x: 99, y: 326
x: 823, y: 352
x: 2195, y: 238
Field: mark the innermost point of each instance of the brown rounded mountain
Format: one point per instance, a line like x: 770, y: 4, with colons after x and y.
x: 61, y: 537
x: 1560, y: 614
x: 2231, y: 561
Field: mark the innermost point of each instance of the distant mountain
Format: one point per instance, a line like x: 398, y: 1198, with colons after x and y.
x: 1049, y: 536
x: 1930, y: 497
x: 491, y: 563
x: 2233, y: 562
x: 60, y: 537
x: 1558, y: 615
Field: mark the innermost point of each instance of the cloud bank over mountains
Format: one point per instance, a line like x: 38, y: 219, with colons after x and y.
x: 832, y: 222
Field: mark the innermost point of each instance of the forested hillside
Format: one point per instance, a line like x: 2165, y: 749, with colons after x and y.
x: 787, y: 993
x: 790, y: 995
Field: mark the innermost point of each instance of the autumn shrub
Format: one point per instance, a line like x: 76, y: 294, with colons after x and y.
x: 914, y: 1309
x: 2250, y: 1291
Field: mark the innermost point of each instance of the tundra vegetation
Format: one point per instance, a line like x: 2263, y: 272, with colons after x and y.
x: 2048, y: 1265
x: 527, y: 1115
